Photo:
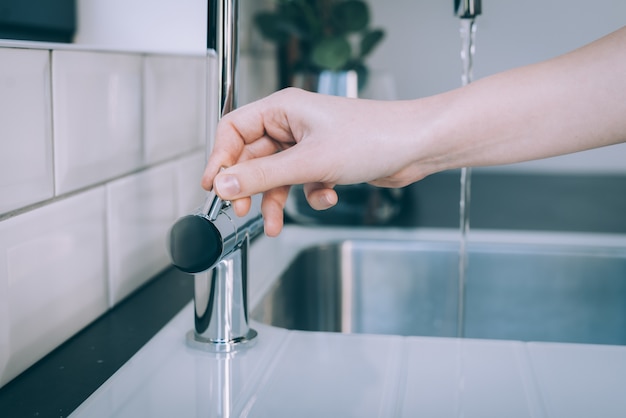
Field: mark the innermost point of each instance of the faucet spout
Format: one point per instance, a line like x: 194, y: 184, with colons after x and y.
x: 467, y: 9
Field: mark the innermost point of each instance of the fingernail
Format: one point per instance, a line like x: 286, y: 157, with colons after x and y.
x: 227, y: 186
x: 325, y: 201
x: 328, y: 200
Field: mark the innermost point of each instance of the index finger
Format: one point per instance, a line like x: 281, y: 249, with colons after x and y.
x: 234, y: 131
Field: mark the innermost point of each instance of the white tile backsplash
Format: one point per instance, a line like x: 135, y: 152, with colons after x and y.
x: 97, y: 113
x: 86, y: 199
x: 52, y: 275
x: 141, y: 209
x: 189, y: 172
x: 174, y: 105
x: 25, y: 128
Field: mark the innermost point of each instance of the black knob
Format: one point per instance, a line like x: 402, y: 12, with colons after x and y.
x: 195, y: 244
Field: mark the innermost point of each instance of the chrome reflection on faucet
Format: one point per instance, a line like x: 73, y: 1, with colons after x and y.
x: 223, y: 20
x: 213, y: 242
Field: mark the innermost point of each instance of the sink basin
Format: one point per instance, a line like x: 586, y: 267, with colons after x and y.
x: 519, y: 291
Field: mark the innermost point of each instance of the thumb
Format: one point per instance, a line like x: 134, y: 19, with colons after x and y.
x: 227, y: 186
x: 259, y: 175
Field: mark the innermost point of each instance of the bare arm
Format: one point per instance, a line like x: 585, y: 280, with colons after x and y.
x: 570, y: 103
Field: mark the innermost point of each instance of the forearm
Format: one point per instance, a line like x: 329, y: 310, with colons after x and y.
x: 571, y: 103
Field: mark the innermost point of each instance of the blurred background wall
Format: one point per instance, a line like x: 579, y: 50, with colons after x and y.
x: 420, y: 54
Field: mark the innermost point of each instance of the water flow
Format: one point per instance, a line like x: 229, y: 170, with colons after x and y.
x: 468, y: 37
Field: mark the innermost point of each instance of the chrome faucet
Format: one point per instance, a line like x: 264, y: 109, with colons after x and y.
x: 213, y: 245
x: 467, y: 9
x: 213, y: 242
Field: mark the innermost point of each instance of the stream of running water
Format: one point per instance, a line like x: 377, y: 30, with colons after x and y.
x: 468, y: 37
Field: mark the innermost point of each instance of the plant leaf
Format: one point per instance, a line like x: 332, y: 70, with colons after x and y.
x: 298, y: 16
x: 277, y: 26
x: 332, y: 53
x: 370, y: 40
x: 269, y: 25
x: 350, y: 16
x: 310, y: 19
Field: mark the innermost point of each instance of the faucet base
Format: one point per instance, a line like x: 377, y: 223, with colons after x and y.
x: 215, y: 346
x: 221, y: 308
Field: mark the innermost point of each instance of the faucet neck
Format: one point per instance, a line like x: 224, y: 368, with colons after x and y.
x: 221, y: 308
x: 222, y: 36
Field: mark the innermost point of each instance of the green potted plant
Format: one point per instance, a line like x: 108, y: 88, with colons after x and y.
x: 320, y: 35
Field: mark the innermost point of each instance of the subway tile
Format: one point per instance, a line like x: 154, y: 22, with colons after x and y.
x: 175, y: 105
x: 190, y: 168
x: 97, y: 114
x: 141, y: 208
x: 25, y: 128
x: 52, y: 277
x: 189, y: 174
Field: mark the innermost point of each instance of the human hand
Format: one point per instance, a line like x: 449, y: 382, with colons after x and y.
x: 297, y: 137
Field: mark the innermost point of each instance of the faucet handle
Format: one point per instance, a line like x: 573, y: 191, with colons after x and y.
x: 198, y: 241
x: 195, y: 244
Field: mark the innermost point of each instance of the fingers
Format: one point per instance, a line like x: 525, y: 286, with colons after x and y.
x: 240, y: 135
x: 242, y: 206
x: 223, y: 156
x: 272, y: 207
x: 320, y: 196
x: 260, y: 174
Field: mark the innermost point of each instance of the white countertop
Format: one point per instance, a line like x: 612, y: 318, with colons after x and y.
x: 313, y: 374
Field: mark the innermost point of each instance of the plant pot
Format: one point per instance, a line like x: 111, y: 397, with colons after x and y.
x: 334, y: 83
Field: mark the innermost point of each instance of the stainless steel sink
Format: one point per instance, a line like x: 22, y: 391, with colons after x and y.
x: 528, y: 292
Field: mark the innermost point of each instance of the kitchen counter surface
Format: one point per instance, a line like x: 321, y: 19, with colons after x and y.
x: 312, y: 374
